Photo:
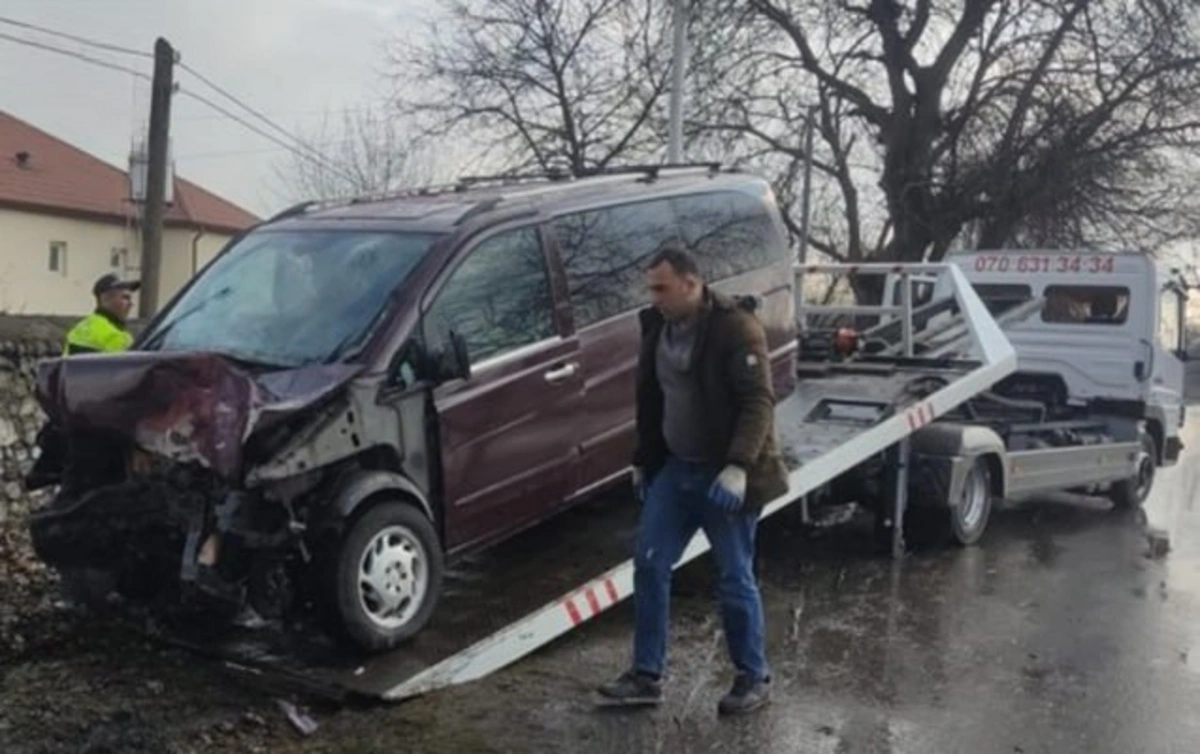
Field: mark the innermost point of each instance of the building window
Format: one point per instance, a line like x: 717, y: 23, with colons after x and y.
x: 58, y: 257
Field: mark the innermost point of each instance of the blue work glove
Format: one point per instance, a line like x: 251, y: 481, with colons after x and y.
x: 728, y: 490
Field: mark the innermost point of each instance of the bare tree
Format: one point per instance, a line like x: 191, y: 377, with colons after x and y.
x: 365, y: 152
x: 574, y: 84
x: 1016, y: 121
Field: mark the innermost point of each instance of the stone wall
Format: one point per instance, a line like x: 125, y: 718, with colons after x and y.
x: 24, y: 341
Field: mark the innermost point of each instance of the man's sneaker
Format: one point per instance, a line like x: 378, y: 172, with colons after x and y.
x: 632, y: 689
x: 747, y: 694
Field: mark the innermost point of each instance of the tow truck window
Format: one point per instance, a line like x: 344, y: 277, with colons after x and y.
x: 1000, y: 297
x: 1086, y: 304
x: 1170, y: 321
x: 922, y: 292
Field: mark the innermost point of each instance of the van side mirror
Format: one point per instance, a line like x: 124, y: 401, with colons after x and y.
x: 454, y: 362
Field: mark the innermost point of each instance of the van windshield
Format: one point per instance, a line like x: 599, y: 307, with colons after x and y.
x: 290, y: 298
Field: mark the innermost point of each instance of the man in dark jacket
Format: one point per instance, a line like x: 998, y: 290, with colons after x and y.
x: 706, y: 458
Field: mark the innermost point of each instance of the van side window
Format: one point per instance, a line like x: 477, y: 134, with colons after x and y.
x: 1170, y: 320
x: 605, y: 253
x: 498, y: 299
x: 1086, y: 304
x: 730, y: 233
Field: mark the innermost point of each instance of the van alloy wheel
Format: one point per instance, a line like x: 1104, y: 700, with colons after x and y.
x: 386, y: 576
x: 393, y: 577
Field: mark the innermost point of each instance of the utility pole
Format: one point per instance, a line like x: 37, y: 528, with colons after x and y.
x: 156, y: 177
x: 806, y: 200
x: 805, y: 209
x: 678, y: 68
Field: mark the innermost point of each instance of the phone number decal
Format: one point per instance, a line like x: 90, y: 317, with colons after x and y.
x: 1089, y: 264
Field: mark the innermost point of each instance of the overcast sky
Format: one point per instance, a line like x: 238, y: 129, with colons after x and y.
x: 292, y: 60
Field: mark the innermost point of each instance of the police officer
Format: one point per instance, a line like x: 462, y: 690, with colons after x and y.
x: 105, y: 329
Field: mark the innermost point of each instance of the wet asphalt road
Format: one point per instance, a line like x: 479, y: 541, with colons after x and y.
x: 1058, y: 633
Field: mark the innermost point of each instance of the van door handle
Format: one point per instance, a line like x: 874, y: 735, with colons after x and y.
x: 565, y: 372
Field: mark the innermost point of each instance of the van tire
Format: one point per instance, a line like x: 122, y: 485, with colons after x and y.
x: 388, y: 560
x: 1129, y: 494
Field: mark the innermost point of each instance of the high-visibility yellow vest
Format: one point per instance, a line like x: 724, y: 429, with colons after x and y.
x: 97, y: 333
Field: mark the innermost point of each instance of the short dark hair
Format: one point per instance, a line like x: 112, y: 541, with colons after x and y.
x: 676, y: 254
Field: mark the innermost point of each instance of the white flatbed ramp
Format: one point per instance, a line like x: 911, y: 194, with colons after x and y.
x: 839, y: 417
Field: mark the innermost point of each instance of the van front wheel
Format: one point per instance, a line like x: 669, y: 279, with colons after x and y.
x: 388, y: 576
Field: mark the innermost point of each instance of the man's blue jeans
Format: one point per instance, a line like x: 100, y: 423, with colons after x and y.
x: 676, y: 506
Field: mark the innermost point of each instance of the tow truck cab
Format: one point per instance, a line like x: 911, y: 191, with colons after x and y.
x: 1110, y: 337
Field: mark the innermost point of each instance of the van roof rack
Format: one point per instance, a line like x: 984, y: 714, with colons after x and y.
x: 650, y: 173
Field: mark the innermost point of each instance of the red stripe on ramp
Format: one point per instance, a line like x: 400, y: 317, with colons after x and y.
x: 573, y: 613
x: 612, y: 590
x: 592, y: 601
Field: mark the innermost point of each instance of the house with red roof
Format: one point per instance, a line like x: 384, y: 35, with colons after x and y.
x: 67, y: 217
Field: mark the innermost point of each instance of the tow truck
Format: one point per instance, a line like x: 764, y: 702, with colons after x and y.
x: 1096, y: 403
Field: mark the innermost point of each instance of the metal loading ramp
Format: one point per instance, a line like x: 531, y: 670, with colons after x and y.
x: 521, y: 595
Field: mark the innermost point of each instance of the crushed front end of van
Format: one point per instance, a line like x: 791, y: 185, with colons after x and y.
x: 162, y: 494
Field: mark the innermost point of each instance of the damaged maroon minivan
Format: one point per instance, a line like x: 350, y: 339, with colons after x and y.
x: 353, y: 393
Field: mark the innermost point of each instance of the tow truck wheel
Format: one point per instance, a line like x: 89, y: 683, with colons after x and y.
x: 960, y: 521
x: 1131, y: 493
x: 968, y: 517
x: 388, y: 576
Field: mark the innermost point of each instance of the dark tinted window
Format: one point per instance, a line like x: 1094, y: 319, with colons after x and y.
x: 498, y: 299
x: 730, y: 232
x: 1000, y: 297
x: 605, y: 253
x: 1086, y: 304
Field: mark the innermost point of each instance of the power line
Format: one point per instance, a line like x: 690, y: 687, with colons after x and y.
x: 236, y: 152
x: 307, y: 152
x: 74, y: 38
x: 73, y: 54
x: 251, y: 110
x: 238, y: 119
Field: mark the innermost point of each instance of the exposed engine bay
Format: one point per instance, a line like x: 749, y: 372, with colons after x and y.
x: 156, y: 456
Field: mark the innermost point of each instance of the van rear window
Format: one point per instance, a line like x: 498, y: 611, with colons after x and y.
x: 1086, y: 304
x: 605, y: 251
